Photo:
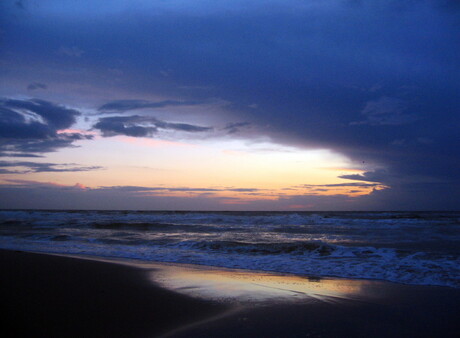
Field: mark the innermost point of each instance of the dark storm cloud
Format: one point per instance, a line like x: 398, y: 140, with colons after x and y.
x: 125, y: 105
x: 37, y: 167
x: 368, y: 81
x: 141, y: 126
x: 386, y: 111
x: 31, y: 126
x: 374, y: 80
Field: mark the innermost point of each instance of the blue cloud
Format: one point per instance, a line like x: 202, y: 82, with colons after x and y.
x: 31, y: 126
x: 39, y: 167
x: 141, y: 126
x: 125, y: 105
x: 368, y: 79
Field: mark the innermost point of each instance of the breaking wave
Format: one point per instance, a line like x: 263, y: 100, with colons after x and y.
x: 414, y: 248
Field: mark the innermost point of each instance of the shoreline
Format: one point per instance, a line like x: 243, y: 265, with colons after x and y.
x: 144, y: 264
x: 56, y: 295
x: 148, y: 265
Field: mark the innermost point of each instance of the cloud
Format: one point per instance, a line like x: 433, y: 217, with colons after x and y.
x: 30, y: 194
x: 24, y: 194
x: 131, y: 189
x: 244, y: 189
x: 70, y: 51
x: 56, y: 116
x: 141, y: 126
x: 181, y: 127
x: 31, y: 126
x: 352, y: 78
x: 361, y: 185
x: 36, y: 85
x: 233, y: 128
x: 129, y: 126
x: 38, y: 167
x: 126, y: 105
x: 19, y: 155
x: 415, y: 196
x: 369, y: 176
x: 386, y: 111
x: 39, y: 145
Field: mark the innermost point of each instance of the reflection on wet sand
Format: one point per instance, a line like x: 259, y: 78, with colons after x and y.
x: 250, y: 287
x: 253, y: 287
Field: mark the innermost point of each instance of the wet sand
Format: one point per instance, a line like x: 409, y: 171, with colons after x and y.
x: 54, y: 296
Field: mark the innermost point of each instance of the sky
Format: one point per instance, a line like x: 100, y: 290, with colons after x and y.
x: 230, y: 105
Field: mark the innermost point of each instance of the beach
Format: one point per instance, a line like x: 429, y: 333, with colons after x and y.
x: 54, y: 296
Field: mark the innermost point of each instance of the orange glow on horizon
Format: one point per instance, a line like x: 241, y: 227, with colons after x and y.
x: 233, y: 172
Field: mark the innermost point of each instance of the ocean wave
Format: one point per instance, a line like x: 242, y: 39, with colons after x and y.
x: 311, y: 249
x: 415, y: 248
x: 131, y: 225
x: 259, y: 248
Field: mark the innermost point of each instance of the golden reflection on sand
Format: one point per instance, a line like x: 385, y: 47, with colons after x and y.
x: 249, y: 287
x: 252, y: 287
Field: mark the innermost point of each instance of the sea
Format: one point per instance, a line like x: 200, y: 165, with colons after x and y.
x: 405, y: 247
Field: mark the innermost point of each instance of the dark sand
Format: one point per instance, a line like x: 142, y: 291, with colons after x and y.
x: 52, y: 296
x: 436, y: 315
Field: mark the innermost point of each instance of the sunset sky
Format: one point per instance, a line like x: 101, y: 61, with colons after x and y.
x: 230, y: 105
